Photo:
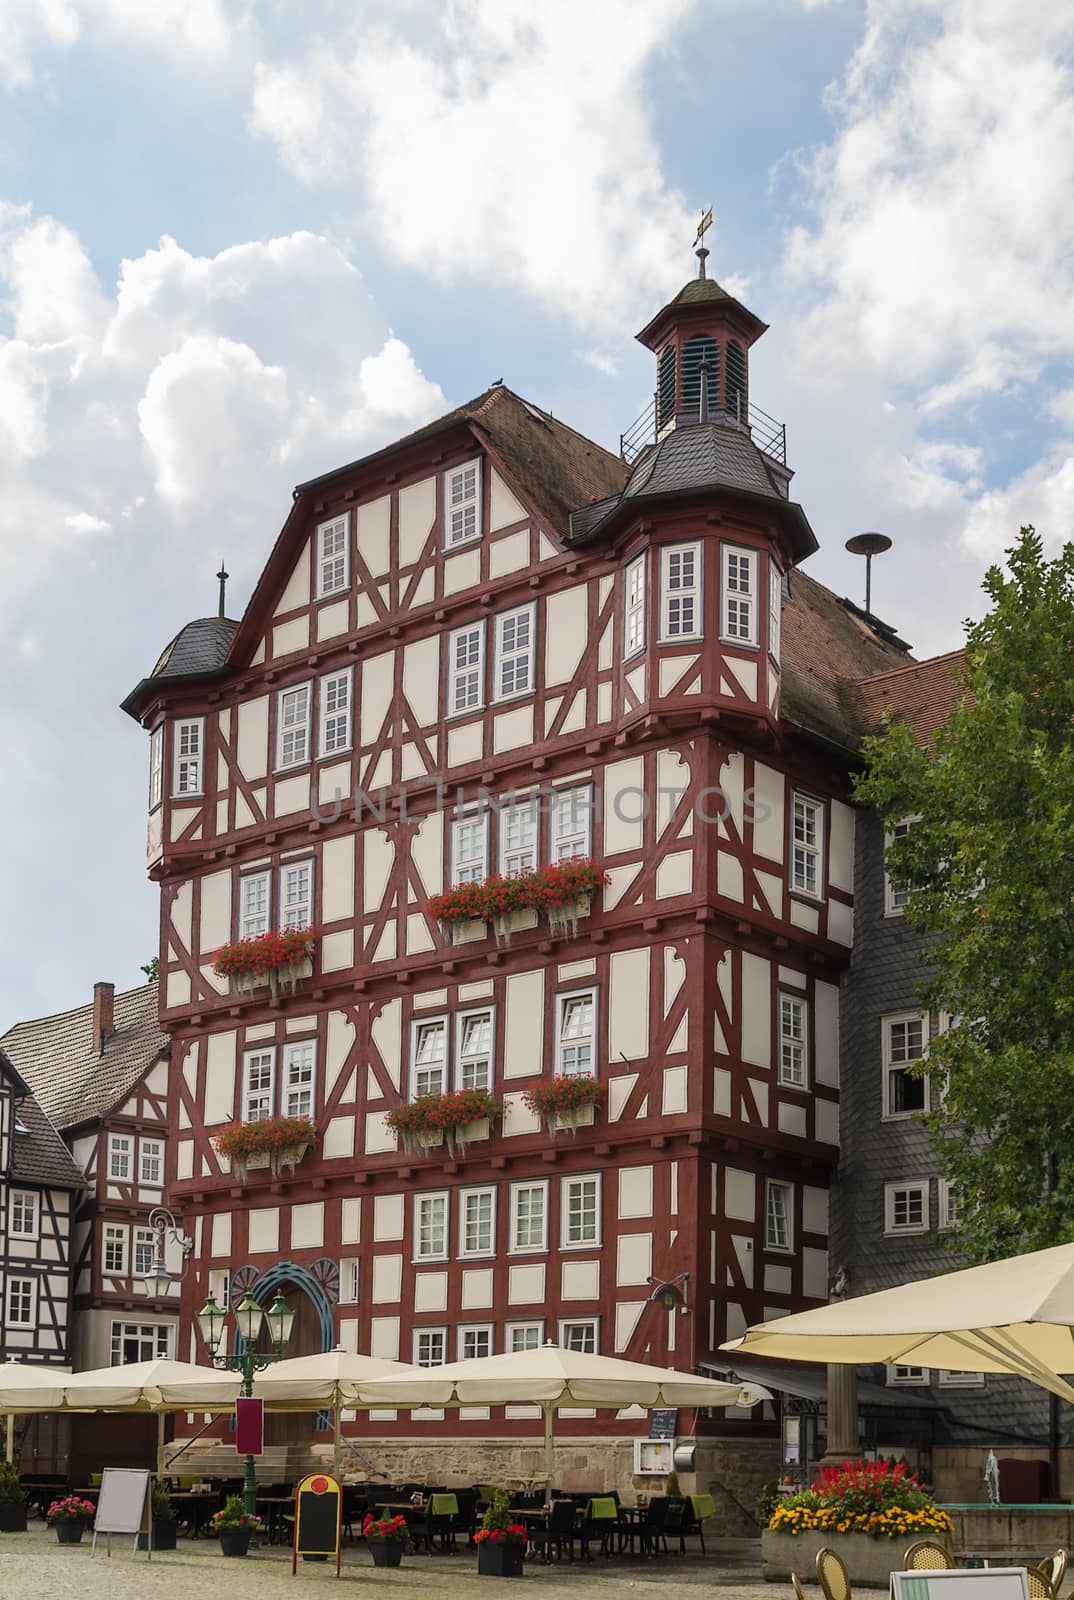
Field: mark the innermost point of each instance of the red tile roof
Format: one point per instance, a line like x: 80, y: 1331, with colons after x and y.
x: 923, y: 694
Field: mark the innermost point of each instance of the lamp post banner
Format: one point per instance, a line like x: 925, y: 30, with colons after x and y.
x: 249, y: 1426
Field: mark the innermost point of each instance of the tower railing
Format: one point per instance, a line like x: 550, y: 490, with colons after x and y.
x: 767, y: 434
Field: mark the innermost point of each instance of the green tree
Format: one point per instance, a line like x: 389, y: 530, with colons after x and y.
x: 152, y: 969
x: 989, y: 861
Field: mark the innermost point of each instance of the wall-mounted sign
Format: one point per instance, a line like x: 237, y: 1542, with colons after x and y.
x: 663, y: 1423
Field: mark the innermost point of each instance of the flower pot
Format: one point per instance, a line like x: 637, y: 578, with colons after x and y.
x: 258, y: 1159
x: 234, y: 1541
x: 287, y: 1160
x: 428, y: 1138
x: 571, y: 1119
x: 386, y: 1552
x: 462, y: 930
x: 70, y: 1531
x: 163, y: 1536
x: 12, y: 1516
x: 500, y: 1560
x: 468, y: 1133
x: 869, y: 1561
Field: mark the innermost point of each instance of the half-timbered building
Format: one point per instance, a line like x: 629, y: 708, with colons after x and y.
x: 492, y: 609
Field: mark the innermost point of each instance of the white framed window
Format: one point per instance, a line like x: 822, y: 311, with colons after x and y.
x: 431, y: 1226
x: 576, y: 1033
x: 333, y: 556
x: 466, y: 669
x: 121, y: 1157
x: 793, y: 1041
x: 739, y: 596
x: 145, y: 1251
x: 151, y: 1162
x: 21, y: 1302
x: 462, y: 504
x: 348, y: 1281
x: 470, y: 848
x: 512, y: 672
x: 896, y: 895
x: 523, y: 1336
x: 580, y: 1212
x: 255, y: 904
x: 905, y: 1040
x: 948, y: 1203
x: 518, y: 837
x: 634, y: 607
x: 952, y: 1379
x: 299, y: 1077
x: 529, y: 1217
x: 473, y: 1049
x: 22, y: 1214
x: 156, y: 766
x: 807, y: 846
x: 430, y: 1347
x: 778, y: 1215
x: 293, y: 726
x: 115, y: 1241
x: 474, y: 1341
x: 428, y: 1057
x: 477, y: 1221
x: 220, y: 1286
x: 910, y: 1377
x: 579, y: 1333
x: 336, y: 701
x: 188, y: 746
x: 296, y: 894
x: 680, y: 593
x: 141, y: 1341
x: 775, y: 611
x: 906, y: 1207
x: 572, y: 822
x: 258, y: 1084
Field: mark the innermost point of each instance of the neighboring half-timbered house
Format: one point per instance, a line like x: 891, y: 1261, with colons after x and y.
x: 492, y: 609
x: 101, y: 1074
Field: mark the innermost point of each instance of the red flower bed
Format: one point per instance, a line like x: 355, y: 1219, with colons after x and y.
x: 433, y: 1113
x: 240, y: 1140
x: 268, y: 952
x: 566, y: 1093
x: 545, y: 889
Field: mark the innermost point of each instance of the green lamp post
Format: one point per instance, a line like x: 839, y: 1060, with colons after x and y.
x: 249, y: 1318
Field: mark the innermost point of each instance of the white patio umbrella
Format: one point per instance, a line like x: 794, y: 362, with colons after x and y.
x: 27, y: 1388
x: 1014, y: 1316
x: 159, y: 1386
x: 322, y: 1382
x: 551, y: 1377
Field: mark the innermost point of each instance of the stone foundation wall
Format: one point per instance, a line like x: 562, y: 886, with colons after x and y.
x: 733, y: 1472
x: 958, y: 1472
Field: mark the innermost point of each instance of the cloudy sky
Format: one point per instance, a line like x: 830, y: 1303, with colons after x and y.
x: 242, y: 241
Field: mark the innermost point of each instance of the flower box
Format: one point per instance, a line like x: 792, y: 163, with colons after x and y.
x: 564, y: 919
x: 561, y: 893
x: 573, y: 1118
x: 280, y: 960
x: 275, y: 1143
x: 567, y: 1103
x: 869, y: 1562
x: 454, y: 1120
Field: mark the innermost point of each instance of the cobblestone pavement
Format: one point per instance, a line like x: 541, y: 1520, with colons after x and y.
x: 34, y: 1567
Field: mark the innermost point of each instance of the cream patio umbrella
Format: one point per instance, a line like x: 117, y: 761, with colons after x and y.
x: 27, y: 1388
x: 321, y: 1383
x: 1014, y: 1316
x: 551, y: 1377
x: 161, y: 1386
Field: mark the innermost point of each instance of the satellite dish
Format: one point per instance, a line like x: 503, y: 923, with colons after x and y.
x: 868, y: 545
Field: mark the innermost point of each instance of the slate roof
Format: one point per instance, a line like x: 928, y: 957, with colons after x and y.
x: 198, y: 648
x: 922, y: 694
x: 59, y: 1059
x: 39, y: 1155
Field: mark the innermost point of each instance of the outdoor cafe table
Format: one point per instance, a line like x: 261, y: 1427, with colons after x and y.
x: 276, y: 1513
x: 194, y: 1507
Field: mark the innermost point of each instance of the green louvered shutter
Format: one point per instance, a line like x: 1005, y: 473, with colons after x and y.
x: 737, y: 401
x: 665, y: 386
x: 702, y: 347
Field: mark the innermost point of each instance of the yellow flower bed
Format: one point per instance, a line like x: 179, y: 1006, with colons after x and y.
x: 893, y: 1522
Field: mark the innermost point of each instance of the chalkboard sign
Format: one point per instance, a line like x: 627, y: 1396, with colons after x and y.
x: 662, y: 1423
x: 123, y: 1505
x: 318, y: 1504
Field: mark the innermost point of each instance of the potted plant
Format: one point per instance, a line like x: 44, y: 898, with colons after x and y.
x: 234, y: 1528
x: 671, y: 1486
x: 268, y: 958
x: 163, y: 1519
x: 500, y: 1540
x: 274, y: 1142
x: 569, y: 1101
x: 560, y: 893
x: 12, y: 1500
x: 69, y: 1517
x: 454, y: 1120
x: 387, y: 1538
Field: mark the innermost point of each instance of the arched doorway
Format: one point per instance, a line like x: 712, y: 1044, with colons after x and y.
x: 311, y: 1333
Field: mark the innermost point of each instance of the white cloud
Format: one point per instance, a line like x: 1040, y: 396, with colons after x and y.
x: 22, y: 24
x: 1043, y: 496
x: 200, y: 29
x: 499, y: 140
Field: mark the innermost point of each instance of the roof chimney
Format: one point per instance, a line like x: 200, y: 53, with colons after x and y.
x: 104, y: 998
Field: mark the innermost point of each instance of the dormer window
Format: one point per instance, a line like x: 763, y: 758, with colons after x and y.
x: 333, y: 557
x: 740, y: 596
x: 462, y: 504
x: 188, y: 747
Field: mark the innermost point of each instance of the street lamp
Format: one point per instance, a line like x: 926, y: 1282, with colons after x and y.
x: 248, y: 1317
x: 158, y: 1280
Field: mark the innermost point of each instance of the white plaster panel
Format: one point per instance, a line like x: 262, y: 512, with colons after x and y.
x: 760, y: 1095
x: 219, y: 1078
x: 803, y: 916
x: 221, y: 1234
x: 505, y: 508
x: 674, y: 1091
x: 619, y: 1089
x: 387, y: 1279
x: 378, y: 679
x: 566, y: 633
x: 427, y: 852
x: 826, y: 1121
x: 721, y: 1092
x: 815, y: 1274
x: 379, y: 860
x: 291, y: 795
x: 385, y: 1031
x: 525, y: 1284
x: 826, y: 1033
x: 814, y: 1209
x: 265, y: 1231
x: 841, y: 847
x: 476, y: 1289
x: 336, y: 950
x: 792, y: 1119
x: 744, y: 674
x: 575, y: 969
x: 477, y: 991
x: 628, y: 1004
x: 378, y: 1135
x: 384, y: 1342
x: 462, y: 570
x: 771, y: 887
x: 351, y: 1219
x: 673, y: 669
x: 340, y: 1038
x: 635, y: 1191
x: 430, y: 1291
x: 777, y: 1280
x: 732, y: 783
x: 332, y: 620
x: 743, y: 1248
x: 215, y: 910
x: 307, y: 1226
x: 181, y: 913
x: 756, y: 1010
x: 510, y: 554
x: 796, y: 980
x: 517, y: 1116
x: 421, y: 678
x: 624, y: 802
x: 296, y: 591
x: 338, y: 1141
x: 287, y: 637
x: 512, y: 729
x: 389, y: 1212
x: 739, y: 1194
x: 840, y: 923
x: 674, y: 875
x: 580, y: 1280
x: 633, y: 1258
x: 417, y: 513
x: 337, y: 878
x: 627, y: 1317
x: 374, y: 526
x: 464, y: 744
x: 729, y: 876
x: 184, y: 1159
x: 524, y: 1030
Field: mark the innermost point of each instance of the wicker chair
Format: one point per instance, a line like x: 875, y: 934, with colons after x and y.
x: 1055, y: 1566
x: 799, y: 1592
x: 1040, y: 1584
x: 832, y: 1575
x: 928, y: 1556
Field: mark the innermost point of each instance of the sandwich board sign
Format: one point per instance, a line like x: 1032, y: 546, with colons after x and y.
x: 124, y: 1506
x: 962, y: 1583
x: 318, y: 1519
